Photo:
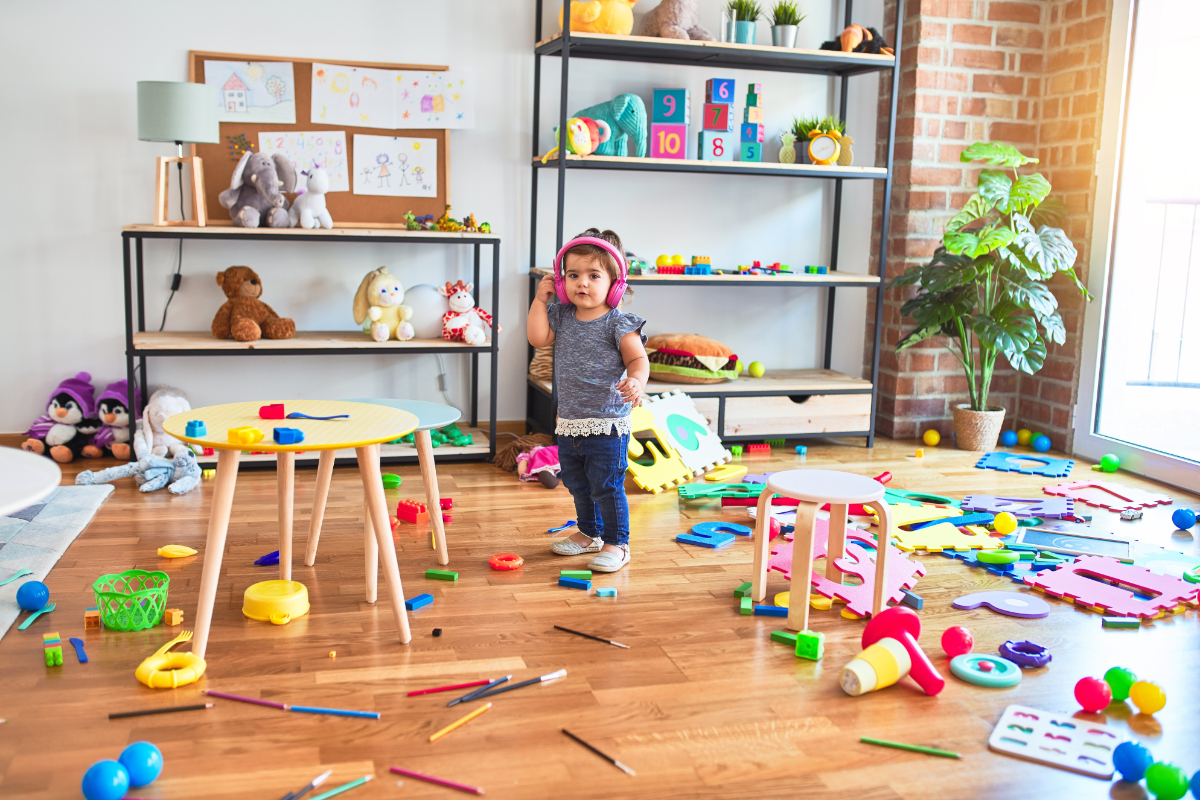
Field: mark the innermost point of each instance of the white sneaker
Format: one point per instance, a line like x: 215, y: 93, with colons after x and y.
x: 569, y: 547
x: 609, y: 561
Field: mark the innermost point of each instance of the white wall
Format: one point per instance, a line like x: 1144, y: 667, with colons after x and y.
x: 78, y: 173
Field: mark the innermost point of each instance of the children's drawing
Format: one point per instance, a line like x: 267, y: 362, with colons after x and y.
x: 395, y: 99
x: 308, y: 149
x: 253, y: 91
x: 435, y: 100
x: 395, y: 166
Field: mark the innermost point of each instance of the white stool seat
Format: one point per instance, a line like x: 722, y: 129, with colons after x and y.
x: 825, y: 486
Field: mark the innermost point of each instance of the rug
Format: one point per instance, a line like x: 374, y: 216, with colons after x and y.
x: 36, y: 538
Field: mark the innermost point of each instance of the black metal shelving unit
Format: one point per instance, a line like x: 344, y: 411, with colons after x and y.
x: 541, y: 403
x: 141, y: 344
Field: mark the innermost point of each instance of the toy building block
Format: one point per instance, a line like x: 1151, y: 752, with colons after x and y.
x: 784, y: 637
x: 751, y: 151
x: 746, y: 605
x: 208, y: 474
x: 736, y: 450
x: 173, y: 616
x: 719, y: 90
x: 441, y: 574
x: 272, y: 411
x: 575, y: 583
x: 810, y: 645
x: 752, y: 114
x: 801, y: 450
x: 770, y: 611
x: 53, y: 645
x: 715, y: 146
x: 753, y: 88
x: 743, y: 590
x: 754, y: 99
x: 447, y: 519
x: 420, y: 601
x: 753, y: 132
x: 913, y: 600
x: 606, y: 591
x: 578, y: 574
x: 446, y: 503
x: 91, y: 619
x: 920, y: 453
x: 195, y: 428
x: 412, y: 511
x: 700, y: 269
x: 775, y: 442
x: 245, y: 435
x: 288, y: 435
x: 718, y: 117
x: 1122, y: 622
x: 758, y: 448
x: 673, y: 106
x: 668, y: 141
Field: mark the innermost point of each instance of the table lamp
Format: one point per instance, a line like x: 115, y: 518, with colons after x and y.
x: 178, y: 112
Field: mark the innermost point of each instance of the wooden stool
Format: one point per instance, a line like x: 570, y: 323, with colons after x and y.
x: 813, y: 488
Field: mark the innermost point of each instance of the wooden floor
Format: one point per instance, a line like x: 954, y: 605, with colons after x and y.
x: 702, y: 705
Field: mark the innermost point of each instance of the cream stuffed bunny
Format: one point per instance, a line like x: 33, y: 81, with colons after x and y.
x: 377, y: 307
x: 150, y: 439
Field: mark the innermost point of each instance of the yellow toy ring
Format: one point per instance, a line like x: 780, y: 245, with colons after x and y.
x: 170, y: 670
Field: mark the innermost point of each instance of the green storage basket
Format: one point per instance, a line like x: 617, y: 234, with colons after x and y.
x: 132, y: 600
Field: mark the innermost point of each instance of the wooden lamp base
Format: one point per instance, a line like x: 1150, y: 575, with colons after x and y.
x: 162, y: 183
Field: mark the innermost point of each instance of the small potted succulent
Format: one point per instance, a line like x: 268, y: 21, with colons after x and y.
x: 785, y: 21
x: 743, y: 20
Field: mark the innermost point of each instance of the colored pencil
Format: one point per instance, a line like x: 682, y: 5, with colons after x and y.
x: 473, y: 694
x: 605, y: 756
x: 241, y: 699
x: 164, y: 710
x: 547, y: 677
x: 314, y: 783
x: 449, y: 688
x: 589, y: 636
x: 439, y: 781
x: 337, y: 712
x: 459, y: 722
x: 344, y: 787
x: 932, y: 751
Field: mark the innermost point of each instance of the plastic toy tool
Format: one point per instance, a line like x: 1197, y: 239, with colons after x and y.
x: 890, y: 651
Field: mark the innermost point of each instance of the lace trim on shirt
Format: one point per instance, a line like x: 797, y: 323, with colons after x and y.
x: 595, y: 426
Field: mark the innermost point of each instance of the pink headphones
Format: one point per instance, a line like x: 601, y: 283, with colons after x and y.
x: 615, y: 292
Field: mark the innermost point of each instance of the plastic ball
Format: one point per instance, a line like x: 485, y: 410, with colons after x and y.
x: 1004, y: 523
x: 677, y: 260
x: 1131, y: 760
x: 1008, y: 438
x: 1023, y: 436
x: 931, y: 437
x: 1093, y: 694
x: 757, y: 369
x: 1195, y: 784
x: 1148, y: 697
x: 1166, y: 781
x: 33, y: 595
x: 1183, y: 518
x: 663, y: 261
x: 1041, y: 443
x: 105, y: 780
x: 1109, y: 463
x: 143, y: 761
x: 957, y: 641
x: 1120, y: 680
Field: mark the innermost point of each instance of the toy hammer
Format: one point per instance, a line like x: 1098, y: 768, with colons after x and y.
x: 890, y: 652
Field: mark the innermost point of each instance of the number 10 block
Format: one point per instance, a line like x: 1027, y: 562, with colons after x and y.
x: 668, y: 141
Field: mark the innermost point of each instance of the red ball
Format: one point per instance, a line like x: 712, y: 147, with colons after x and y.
x: 1093, y: 694
x: 957, y: 641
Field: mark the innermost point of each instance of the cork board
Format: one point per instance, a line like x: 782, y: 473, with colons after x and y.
x: 347, y: 209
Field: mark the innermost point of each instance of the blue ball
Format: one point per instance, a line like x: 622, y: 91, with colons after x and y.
x: 33, y: 595
x: 144, y: 762
x: 1132, y: 760
x: 1195, y: 784
x: 1183, y: 518
x: 105, y: 780
x: 1041, y: 443
x: 1009, y: 438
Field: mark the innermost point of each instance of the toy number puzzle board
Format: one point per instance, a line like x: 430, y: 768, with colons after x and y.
x: 1058, y: 740
x: 347, y: 208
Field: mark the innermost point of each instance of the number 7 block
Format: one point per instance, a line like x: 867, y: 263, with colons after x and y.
x: 668, y: 141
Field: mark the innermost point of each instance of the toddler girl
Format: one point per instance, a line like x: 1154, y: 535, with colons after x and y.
x: 600, y: 370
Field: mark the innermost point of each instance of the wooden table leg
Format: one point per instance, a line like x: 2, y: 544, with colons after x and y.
x: 837, y: 541
x: 368, y: 467
x: 802, y: 563
x: 424, y: 444
x: 285, y: 467
x: 370, y: 549
x: 214, y: 545
x: 762, y: 546
x: 882, y: 545
x: 324, y: 478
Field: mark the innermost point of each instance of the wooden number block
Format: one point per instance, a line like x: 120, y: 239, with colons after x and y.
x: 754, y: 100
x: 668, y: 141
x: 716, y: 146
x: 752, y: 151
x: 718, y: 117
x: 719, y: 90
x: 753, y: 132
x: 672, y: 106
x: 752, y: 114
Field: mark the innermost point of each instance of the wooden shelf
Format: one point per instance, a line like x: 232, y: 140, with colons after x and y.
x: 202, y: 342
x: 719, y: 167
x: 794, y: 279
x: 777, y: 382
x: 345, y: 232
x: 727, y: 55
x: 479, y: 447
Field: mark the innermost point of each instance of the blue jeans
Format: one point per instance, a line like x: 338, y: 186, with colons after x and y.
x: 593, y: 470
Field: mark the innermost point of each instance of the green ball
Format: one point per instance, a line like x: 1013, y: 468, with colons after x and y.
x: 1109, y: 463
x: 1120, y: 680
x: 1166, y: 781
x: 757, y: 369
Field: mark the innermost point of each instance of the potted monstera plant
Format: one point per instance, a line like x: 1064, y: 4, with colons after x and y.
x: 984, y: 292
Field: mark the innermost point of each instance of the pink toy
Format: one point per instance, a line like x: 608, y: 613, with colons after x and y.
x: 957, y: 641
x: 904, y: 626
x: 273, y: 411
x: 1093, y: 694
x: 1105, y: 494
x: 1076, y: 582
x: 464, y: 322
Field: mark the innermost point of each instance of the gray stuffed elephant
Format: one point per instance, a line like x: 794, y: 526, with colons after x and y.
x: 626, y: 118
x: 255, y: 195
x: 151, y: 473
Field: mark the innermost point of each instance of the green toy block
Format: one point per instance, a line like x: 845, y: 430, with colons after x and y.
x: 810, y: 645
x: 581, y: 574
x: 54, y: 657
x: 743, y: 590
x: 736, y: 450
x: 441, y: 575
x: 776, y: 442
x: 784, y: 637
x: 754, y: 100
x: 747, y: 606
x: 1122, y: 622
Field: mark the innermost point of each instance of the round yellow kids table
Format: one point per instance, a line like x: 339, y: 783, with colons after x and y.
x: 367, y: 426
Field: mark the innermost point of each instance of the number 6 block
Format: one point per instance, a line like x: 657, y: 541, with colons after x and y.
x: 716, y: 146
x: 668, y: 141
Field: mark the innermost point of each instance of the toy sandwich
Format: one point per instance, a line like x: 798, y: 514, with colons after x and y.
x: 690, y: 358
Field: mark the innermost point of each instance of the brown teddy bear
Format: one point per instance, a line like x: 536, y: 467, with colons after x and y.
x: 244, y: 317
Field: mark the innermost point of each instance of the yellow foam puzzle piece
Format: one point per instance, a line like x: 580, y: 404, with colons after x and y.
x: 667, y: 470
x: 726, y: 472
x: 935, y: 538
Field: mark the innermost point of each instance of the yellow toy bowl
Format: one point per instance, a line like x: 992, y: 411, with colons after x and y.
x: 276, y: 601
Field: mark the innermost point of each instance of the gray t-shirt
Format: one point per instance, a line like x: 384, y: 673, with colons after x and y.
x: 587, y: 368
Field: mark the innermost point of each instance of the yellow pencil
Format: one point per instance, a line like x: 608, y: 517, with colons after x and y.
x: 458, y: 722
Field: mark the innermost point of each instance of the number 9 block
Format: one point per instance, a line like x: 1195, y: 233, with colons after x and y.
x: 672, y: 106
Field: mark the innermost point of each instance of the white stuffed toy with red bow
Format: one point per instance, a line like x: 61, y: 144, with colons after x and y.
x: 464, y: 322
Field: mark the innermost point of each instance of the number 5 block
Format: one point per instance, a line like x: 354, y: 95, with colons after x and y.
x: 716, y: 146
x: 672, y: 106
x: 668, y: 141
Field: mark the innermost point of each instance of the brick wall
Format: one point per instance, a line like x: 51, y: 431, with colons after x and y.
x: 1026, y: 73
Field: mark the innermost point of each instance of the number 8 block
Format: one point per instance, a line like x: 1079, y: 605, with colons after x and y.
x: 668, y: 141
x: 716, y: 146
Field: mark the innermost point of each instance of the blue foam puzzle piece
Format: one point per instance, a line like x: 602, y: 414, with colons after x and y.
x: 771, y: 611
x: 965, y: 519
x: 420, y: 601
x: 714, y: 541
x: 575, y: 583
x: 1019, y: 462
x: 288, y: 436
x: 606, y: 591
x: 711, y: 528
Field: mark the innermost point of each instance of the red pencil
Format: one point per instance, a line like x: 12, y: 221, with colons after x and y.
x: 450, y: 688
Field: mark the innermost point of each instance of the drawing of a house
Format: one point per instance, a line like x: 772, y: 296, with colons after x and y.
x: 234, y: 92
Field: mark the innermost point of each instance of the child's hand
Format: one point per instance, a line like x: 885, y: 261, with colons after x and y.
x: 545, y: 289
x: 631, y: 391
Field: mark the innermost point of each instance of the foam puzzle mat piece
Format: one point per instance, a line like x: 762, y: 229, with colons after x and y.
x: 687, y: 431
x: 667, y: 469
x: 1077, y: 582
x: 1106, y: 494
x: 1027, y: 464
x: 1054, y: 507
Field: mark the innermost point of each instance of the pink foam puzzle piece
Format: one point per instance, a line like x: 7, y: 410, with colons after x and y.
x: 902, y: 574
x: 781, y: 554
x: 1106, y: 494
x: 1020, y: 506
x: 1081, y: 583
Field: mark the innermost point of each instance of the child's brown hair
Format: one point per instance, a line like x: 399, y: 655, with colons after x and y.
x: 596, y: 253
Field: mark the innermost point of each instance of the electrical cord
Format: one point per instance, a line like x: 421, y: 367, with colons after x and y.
x: 177, y: 278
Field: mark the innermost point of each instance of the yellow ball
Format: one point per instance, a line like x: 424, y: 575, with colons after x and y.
x: 1023, y: 436
x: 662, y: 261
x: 932, y: 437
x: 1148, y: 697
x: 677, y: 261
x: 1004, y: 523
x: 757, y: 369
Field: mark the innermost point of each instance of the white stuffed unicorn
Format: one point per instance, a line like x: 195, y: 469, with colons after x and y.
x: 463, y: 322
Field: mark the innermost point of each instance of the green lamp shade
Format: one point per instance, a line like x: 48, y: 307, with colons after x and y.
x: 177, y: 112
